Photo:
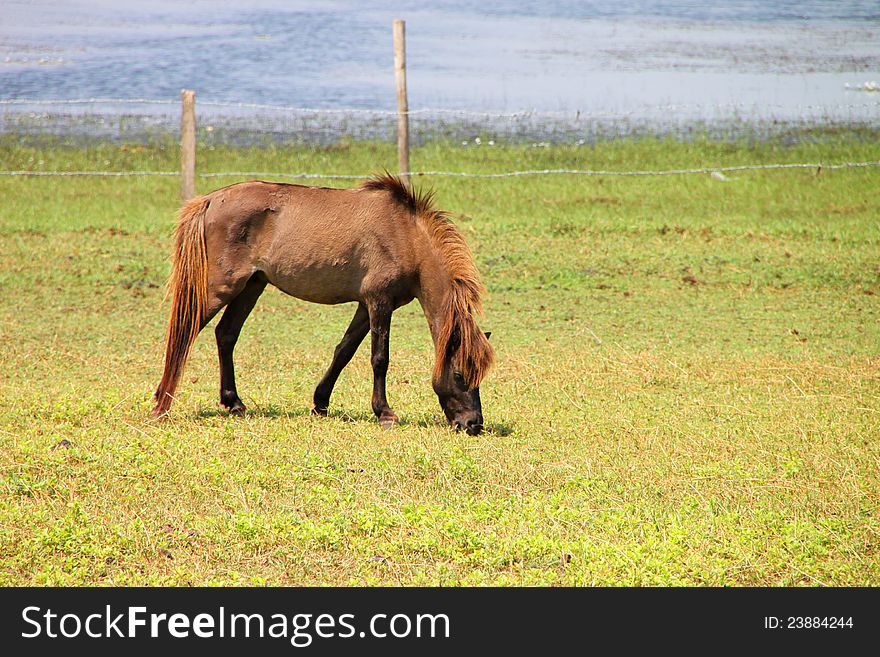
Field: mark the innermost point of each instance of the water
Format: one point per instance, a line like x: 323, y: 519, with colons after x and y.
x: 621, y: 63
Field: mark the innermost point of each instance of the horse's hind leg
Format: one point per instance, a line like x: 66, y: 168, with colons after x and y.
x: 355, y: 333
x: 227, y: 332
x: 179, y: 340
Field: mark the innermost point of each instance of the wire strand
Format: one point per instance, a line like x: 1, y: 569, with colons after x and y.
x: 464, y: 174
x: 518, y: 114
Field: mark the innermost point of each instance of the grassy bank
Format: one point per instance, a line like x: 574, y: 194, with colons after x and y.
x: 686, y: 392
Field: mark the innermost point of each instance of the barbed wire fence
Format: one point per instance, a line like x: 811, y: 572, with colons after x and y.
x: 126, y: 120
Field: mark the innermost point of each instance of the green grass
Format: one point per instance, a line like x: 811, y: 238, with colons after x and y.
x: 686, y: 392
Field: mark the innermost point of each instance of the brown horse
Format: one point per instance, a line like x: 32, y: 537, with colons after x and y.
x: 380, y: 245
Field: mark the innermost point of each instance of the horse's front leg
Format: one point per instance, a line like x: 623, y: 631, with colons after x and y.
x: 354, y: 335
x: 380, y: 328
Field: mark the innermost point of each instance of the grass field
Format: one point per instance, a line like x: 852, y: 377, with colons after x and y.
x: 686, y: 390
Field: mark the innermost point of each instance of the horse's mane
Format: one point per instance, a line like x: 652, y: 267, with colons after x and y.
x: 459, y: 327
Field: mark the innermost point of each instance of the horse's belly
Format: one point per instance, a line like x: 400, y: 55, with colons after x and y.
x: 318, y: 284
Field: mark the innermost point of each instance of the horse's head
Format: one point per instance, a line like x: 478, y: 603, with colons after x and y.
x: 461, y: 406
x: 460, y: 402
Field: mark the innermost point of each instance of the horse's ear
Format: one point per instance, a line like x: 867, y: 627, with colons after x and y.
x: 454, y: 342
x: 488, y: 334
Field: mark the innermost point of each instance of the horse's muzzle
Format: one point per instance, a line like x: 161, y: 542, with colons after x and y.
x: 472, y: 426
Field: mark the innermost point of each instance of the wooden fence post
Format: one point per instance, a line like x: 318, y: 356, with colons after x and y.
x: 402, y: 103
x: 188, y: 144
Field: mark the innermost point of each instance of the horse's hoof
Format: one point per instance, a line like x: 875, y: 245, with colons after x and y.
x: 237, y: 409
x: 388, y: 421
x: 320, y: 412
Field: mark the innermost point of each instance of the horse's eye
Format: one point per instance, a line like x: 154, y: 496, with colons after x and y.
x: 459, y: 379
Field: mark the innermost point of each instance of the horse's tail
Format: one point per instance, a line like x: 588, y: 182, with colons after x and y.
x: 188, y: 289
